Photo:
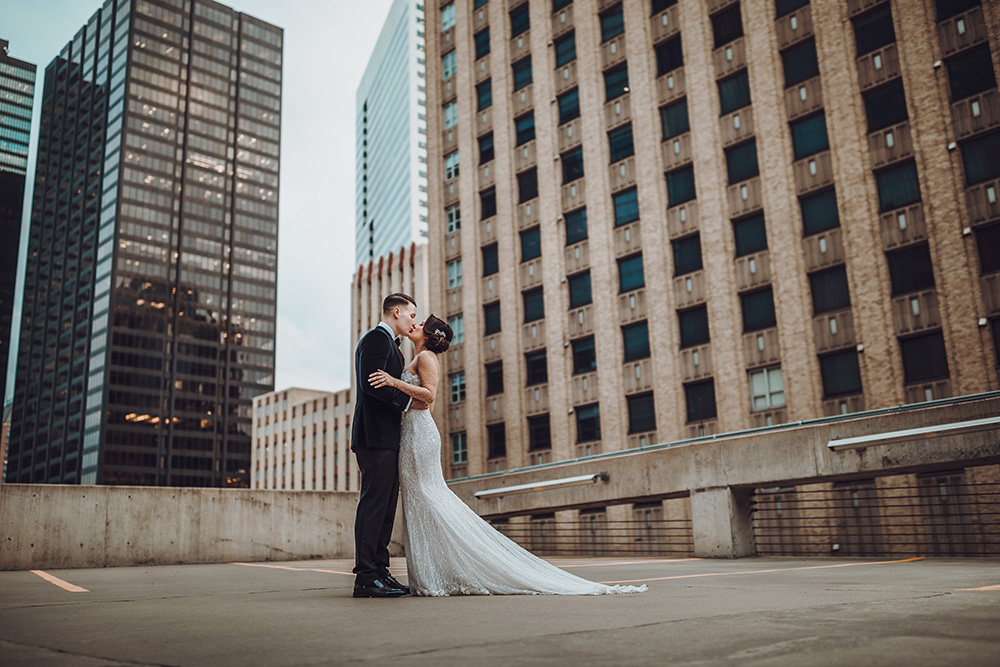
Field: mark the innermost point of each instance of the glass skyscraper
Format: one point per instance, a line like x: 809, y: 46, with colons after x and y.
x: 17, y: 93
x: 391, y: 139
x: 149, y: 302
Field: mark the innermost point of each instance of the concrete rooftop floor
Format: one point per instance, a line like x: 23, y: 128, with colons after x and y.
x: 760, y: 611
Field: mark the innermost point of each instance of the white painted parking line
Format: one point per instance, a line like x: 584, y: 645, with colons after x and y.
x: 65, y: 585
x: 981, y: 588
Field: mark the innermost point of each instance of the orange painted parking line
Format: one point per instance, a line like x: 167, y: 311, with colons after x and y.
x: 981, y: 588
x: 628, y: 562
x: 294, y: 569
x: 65, y: 585
x: 779, y: 569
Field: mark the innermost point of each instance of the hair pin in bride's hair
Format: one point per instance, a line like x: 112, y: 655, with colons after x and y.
x: 438, y: 332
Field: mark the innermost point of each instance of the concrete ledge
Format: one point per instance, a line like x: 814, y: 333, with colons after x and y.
x: 57, y: 526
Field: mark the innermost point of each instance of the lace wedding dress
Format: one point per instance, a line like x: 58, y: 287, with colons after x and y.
x: 449, y: 549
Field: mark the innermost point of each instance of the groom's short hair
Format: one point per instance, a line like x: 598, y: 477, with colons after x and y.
x: 397, y: 300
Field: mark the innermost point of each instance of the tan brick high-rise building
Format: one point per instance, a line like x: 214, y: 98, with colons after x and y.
x: 660, y: 219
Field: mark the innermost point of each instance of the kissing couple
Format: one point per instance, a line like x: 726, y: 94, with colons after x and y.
x: 450, y: 550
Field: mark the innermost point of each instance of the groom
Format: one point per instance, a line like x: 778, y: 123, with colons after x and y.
x: 375, y: 442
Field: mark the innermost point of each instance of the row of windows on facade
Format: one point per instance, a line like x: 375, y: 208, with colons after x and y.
x: 265, y: 410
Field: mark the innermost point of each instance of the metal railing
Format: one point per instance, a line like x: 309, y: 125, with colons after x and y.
x: 596, y: 537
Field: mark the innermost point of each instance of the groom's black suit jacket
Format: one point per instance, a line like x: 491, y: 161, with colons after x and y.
x: 377, y: 410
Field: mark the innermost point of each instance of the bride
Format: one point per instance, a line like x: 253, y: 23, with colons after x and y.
x: 449, y: 549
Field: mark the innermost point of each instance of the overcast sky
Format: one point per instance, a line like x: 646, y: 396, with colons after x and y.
x: 327, y: 44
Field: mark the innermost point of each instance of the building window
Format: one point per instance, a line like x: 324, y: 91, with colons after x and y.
x: 482, y: 40
x: 874, y: 30
x: 674, y: 119
x: 829, y: 290
x: 536, y: 367
x: 491, y: 318
x: 484, y: 95
x: 971, y: 73
x: 727, y: 25
x: 741, y: 162
x: 612, y: 23
x: 981, y: 158
x: 626, y: 205
x: 995, y: 326
x: 450, y: 166
x: 584, y: 355
x: 491, y: 263
x: 758, y: 310
x: 615, y: 81
x: 522, y: 72
x: 750, y: 234
x: 840, y: 373
x: 734, y: 92
x: 809, y: 136
x: 448, y: 16
x: 620, y: 142
x: 694, y: 326
x: 520, y: 20
x: 662, y: 6
x: 496, y: 436
x: 636, y: 340
x: 576, y: 225
x: 494, y: 378
x: 565, y: 49
x: 630, y: 274
x: 524, y: 126
x: 680, y: 186
x: 459, y: 448
x: 687, y: 255
x: 488, y: 203
x: 948, y: 8
x: 641, y: 413
x: 486, y: 148
x: 700, y: 400
x: 669, y: 56
x: 897, y: 186
x: 767, y: 388
x: 450, y: 115
x: 560, y: 4
x: 924, y: 358
x: 800, y: 62
x: 588, y: 423
x: 454, y: 273
x: 885, y: 106
x: 457, y: 386
x: 527, y: 185
x: 910, y: 269
x: 988, y: 245
x: 785, y: 7
x: 572, y: 165
x: 448, y: 65
x: 539, y: 435
x: 457, y: 324
x: 579, y: 289
x: 534, y: 305
x: 569, y: 105
x: 819, y: 212
x: 453, y: 215
x: 531, y: 244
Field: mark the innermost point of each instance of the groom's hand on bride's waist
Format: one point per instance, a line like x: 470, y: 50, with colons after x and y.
x: 418, y: 405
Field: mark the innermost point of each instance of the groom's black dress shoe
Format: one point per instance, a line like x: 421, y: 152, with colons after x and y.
x: 377, y: 589
x: 389, y: 579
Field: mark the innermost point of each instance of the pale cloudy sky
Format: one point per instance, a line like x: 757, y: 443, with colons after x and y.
x: 327, y: 44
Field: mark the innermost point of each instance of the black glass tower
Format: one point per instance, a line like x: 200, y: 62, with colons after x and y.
x: 149, y: 303
x: 17, y: 93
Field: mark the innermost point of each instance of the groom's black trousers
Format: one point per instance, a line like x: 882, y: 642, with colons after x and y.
x: 376, y: 512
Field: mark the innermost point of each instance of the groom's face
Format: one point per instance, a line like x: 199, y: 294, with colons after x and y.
x: 406, y: 319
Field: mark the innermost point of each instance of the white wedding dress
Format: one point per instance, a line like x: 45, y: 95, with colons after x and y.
x: 449, y: 549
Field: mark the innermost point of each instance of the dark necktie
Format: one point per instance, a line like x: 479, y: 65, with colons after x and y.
x: 399, y: 352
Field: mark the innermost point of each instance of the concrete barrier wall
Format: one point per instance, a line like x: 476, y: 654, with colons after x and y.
x: 57, y: 526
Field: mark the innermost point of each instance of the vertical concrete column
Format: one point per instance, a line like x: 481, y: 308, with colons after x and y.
x: 720, y: 520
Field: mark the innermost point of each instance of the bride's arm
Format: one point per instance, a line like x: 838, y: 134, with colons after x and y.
x: 427, y: 368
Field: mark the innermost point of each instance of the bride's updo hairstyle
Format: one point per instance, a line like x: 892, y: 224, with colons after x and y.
x: 437, y: 334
